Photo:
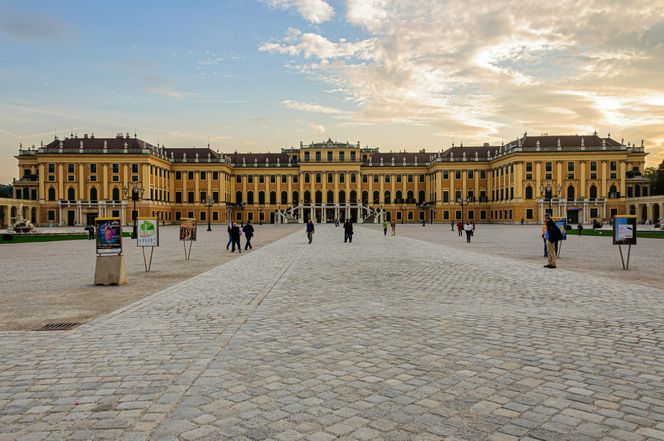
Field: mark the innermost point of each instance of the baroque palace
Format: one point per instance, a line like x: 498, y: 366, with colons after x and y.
x: 73, y: 180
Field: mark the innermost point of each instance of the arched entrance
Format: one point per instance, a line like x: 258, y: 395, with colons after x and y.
x: 655, y: 212
x: 644, y: 213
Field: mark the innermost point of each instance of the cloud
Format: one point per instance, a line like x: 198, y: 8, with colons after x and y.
x: 311, y: 108
x: 314, y: 11
x: 317, y: 127
x: 484, y: 71
x: 32, y: 26
x: 162, y: 86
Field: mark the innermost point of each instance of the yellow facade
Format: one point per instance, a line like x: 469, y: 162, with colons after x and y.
x: 77, y: 179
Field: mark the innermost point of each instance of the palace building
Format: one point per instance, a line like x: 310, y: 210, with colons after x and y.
x: 76, y: 179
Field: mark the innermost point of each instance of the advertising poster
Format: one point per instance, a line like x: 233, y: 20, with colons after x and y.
x: 624, y: 230
x: 109, y: 235
x: 562, y: 224
x: 188, y: 229
x: 148, y: 232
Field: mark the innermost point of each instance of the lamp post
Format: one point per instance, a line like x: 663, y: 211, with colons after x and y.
x: 260, y: 215
x: 547, y: 191
x: 461, y: 201
x: 209, y: 204
x: 136, y: 193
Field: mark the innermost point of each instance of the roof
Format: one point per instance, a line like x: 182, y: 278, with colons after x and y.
x: 252, y: 158
x: 178, y: 153
x: 410, y: 158
x: 92, y: 143
x: 470, y: 152
x: 546, y: 141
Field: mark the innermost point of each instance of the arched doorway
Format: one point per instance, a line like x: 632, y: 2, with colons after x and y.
x: 570, y: 193
x: 644, y: 213
x: 33, y: 216
x: 593, y: 192
x: 655, y: 212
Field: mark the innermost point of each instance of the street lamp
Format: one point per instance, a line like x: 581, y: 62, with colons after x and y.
x: 260, y: 215
x: 136, y: 193
x: 547, y: 191
x: 461, y: 201
x: 209, y: 204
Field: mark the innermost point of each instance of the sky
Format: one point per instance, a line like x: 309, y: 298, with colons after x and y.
x: 261, y: 75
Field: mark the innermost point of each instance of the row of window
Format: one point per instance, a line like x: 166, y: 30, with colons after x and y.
x: 330, y: 197
x: 155, y: 195
x: 341, y: 156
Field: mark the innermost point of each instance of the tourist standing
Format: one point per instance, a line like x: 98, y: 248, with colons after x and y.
x: 310, y: 230
x: 91, y: 232
x: 230, y: 236
x: 554, y: 235
x: 460, y: 227
x: 235, y: 237
x: 545, y: 236
x: 452, y: 225
x: 393, y: 224
x: 248, y: 233
x: 469, y: 231
x: 385, y: 227
x: 348, y: 231
x: 580, y: 228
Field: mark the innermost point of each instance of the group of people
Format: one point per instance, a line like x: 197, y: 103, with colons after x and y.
x: 348, y: 230
x: 468, y: 227
x: 393, y: 226
x: 235, y: 233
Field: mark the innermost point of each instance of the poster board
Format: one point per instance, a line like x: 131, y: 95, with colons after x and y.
x: 148, y: 232
x: 188, y: 230
x: 624, y: 230
x: 562, y: 225
x: 109, y: 235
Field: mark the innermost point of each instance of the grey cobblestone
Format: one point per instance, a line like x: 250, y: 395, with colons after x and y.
x: 388, y: 338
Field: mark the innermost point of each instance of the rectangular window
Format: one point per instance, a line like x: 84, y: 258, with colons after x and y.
x: 93, y: 168
x: 319, y: 178
x: 203, y: 176
x: 190, y: 175
x: 215, y: 176
x: 306, y: 156
x: 457, y: 214
x: 134, y: 168
x: 203, y: 215
x: 342, y: 177
x: 410, y: 215
x: 306, y: 178
x: 215, y: 196
x: 190, y: 214
x: 388, y: 178
x: 250, y: 179
x: 203, y: 196
x: 593, y: 166
x: 398, y: 215
x: 457, y: 174
x: 548, y: 166
x: 273, y: 179
x: 365, y: 178
x: 178, y: 175
x: 352, y: 156
x: 457, y: 195
x: 399, y: 178
x: 375, y: 178
x: 296, y: 179
x: 471, y: 174
x: 330, y: 178
x: 51, y: 178
x: 70, y: 168
x: 261, y: 179
x: 446, y: 215
x: 329, y: 156
x: 353, y: 178
x: 93, y: 178
x: 342, y: 156
x: 51, y: 215
x: 482, y: 174
x: 215, y: 215
x: 134, y: 178
x: 318, y: 156
x: 178, y: 197
x: 116, y: 178
x: 190, y: 197
x: 446, y: 196
x: 483, y: 214
x: 178, y: 215
x: 115, y: 168
x: 594, y: 213
x: 51, y: 168
x: 570, y: 166
x: 284, y: 179
x: 421, y: 178
x: 529, y: 213
x: 410, y: 178
x: 614, y: 166
x: 238, y: 179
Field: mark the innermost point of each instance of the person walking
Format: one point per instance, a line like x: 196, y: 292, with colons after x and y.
x: 385, y: 227
x: 469, y: 231
x: 310, y: 230
x: 348, y: 231
x: 91, y: 232
x: 235, y: 237
x: 545, y: 236
x: 580, y: 228
x: 452, y: 225
x: 460, y: 227
x: 230, y: 236
x: 248, y: 230
x: 393, y: 224
x: 554, y: 235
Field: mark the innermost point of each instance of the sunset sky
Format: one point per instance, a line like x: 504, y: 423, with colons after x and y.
x: 259, y: 75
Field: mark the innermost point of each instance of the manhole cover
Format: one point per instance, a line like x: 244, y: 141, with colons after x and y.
x: 58, y: 326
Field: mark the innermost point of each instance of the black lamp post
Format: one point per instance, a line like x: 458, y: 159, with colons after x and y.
x: 136, y: 194
x: 260, y: 215
x: 461, y: 201
x: 547, y: 191
x: 209, y: 204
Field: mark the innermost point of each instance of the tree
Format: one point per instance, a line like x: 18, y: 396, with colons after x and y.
x: 656, y: 176
x: 6, y: 191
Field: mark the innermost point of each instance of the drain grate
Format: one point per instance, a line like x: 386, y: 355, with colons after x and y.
x: 58, y: 326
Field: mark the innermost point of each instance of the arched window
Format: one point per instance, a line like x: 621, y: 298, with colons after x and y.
x: 529, y: 192
x: 593, y: 192
x: 307, y: 197
x: 422, y: 196
x: 93, y: 194
x: 353, y: 197
x: 115, y: 194
x: 273, y: 197
x: 261, y: 197
x: 296, y: 197
x: 376, y: 197
x: 319, y: 197
x: 613, y: 192
x: 51, y: 194
x: 365, y: 197
x: 330, y: 197
x: 570, y: 192
x: 387, y: 197
x: 342, y: 197
x: 71, y: 194
x: 250, y: 197
x: 238, y: 197
x: 410, y: 196
x: 284, y: 197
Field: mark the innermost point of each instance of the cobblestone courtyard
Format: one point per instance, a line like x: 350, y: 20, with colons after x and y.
x: 385, y: 338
